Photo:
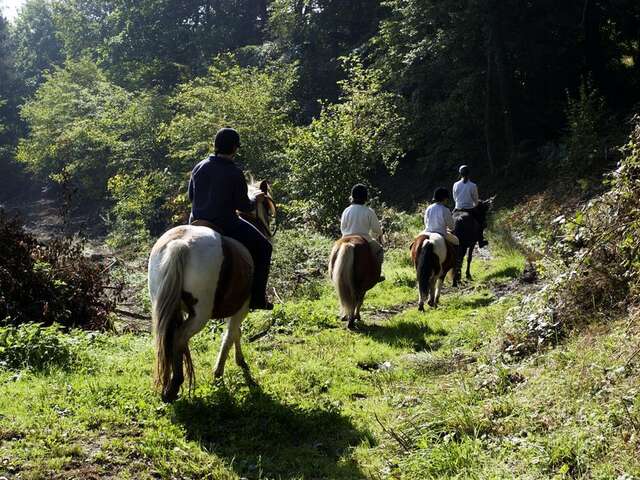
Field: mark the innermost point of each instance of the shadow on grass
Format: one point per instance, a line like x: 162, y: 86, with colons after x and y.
x: 507, y: 272
x: 263, y: 438
x: 402, y: 333
x: 475, y: 302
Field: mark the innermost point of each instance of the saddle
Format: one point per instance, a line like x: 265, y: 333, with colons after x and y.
x: 236, y: 275
x: 367, y: 268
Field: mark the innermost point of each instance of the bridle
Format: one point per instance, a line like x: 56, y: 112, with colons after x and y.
x: 259, y: 223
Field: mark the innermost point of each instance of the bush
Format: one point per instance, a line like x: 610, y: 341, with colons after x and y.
x: 35, y: 347
x: 346, y: 144
x: 51, y: 282
x: 597, y: 268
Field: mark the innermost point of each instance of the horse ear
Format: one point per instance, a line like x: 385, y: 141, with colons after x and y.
x: 264, y: 186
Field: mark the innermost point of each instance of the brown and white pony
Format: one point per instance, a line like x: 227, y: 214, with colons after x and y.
x: 196, y: 274
x: 353, y: 270
x: 432, y: 260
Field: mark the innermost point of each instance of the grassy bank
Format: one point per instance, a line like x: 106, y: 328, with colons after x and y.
x: 409, y: 396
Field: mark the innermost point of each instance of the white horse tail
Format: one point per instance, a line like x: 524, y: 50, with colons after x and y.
x: 166, y: 313
x: 342, y: 275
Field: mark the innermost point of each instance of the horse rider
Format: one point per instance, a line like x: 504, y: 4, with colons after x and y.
x: 358, y: 219
x: 438, y: 218
x: 218, y: 190
x: 465, y: 195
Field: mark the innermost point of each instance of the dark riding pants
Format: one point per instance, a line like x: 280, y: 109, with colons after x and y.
x: 260, y: 250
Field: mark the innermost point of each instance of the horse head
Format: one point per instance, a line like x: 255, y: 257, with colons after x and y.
x: 265, y: 213
x: 484, y: 206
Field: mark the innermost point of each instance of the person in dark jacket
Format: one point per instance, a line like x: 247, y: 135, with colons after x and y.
x: 217, y: 190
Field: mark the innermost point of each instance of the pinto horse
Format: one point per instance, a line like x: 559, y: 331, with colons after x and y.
x: 432, y: 259
x: 195, y: 274
x: 353, y: 269
x: 467, y: 229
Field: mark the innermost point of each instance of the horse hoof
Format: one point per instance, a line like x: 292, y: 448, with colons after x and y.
x: 170, y: 395
x: 217, y: 375
x: 421, y: 307
x: 242, y: 364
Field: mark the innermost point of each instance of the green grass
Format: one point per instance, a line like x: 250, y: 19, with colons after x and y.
x: 411, y: 395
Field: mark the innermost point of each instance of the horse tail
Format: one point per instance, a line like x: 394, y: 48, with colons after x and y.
x: 427, y: 266
x: 166, y: 312
x: 343, y: 276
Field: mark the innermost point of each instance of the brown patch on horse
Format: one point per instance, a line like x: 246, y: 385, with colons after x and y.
x: 367, y: 268
x: 236, y: 276
x: 189, y: 302
x: 174, y: 234
x: 416, y: 247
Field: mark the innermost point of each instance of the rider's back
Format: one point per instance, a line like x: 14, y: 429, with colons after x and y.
x: 465, y: 194
x: 216, y: 190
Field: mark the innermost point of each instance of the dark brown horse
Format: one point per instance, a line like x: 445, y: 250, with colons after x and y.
x: 354, y: 270
x: 467, y: 229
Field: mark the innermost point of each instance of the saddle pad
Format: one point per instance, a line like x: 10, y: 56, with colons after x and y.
x: 236, y: 277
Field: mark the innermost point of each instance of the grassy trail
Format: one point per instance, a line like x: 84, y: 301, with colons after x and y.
x: 410, y: 395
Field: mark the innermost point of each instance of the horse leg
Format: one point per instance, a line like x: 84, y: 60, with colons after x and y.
x: 196, y: 320
x: 439, y: 282
x: 234, y: 325
x: 457, y: 266
x: 227, y: 342
x: 431, y: 301
x: 469, y: 258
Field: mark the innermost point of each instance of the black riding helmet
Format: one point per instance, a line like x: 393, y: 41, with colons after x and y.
x: 440, y: 194
x: 359, y: 194
x: 226, y: 140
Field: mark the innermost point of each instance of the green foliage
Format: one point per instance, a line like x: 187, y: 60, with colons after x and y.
x: 255, y: 102
x: 587, y: 120
x: 345, y: 145
x: 84, y: 129
x: 34, y: 347
x: 37, y: 49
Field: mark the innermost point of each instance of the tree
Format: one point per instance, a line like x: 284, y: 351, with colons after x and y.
x: 83, y: 129
x: 345, y: 145
x: 37, y: 49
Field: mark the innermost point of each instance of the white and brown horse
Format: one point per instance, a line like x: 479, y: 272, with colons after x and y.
x: 196, y: 274
x: 432, y: 259
x: 354, y: 270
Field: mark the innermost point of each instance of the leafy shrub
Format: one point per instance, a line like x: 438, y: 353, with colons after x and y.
x: 51, y: 282
x: 587, y: 131
x: 255, y: 102
x: 346, y: 144
x: 83, y: 129
x: 597, y: 267
x: 35, y: 347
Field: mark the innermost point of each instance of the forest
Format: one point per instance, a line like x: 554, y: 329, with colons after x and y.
x: 530, y: 370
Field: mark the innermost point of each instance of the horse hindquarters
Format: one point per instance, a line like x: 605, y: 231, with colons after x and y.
x: 343, y: 277
x: 427, y: 269
x: 184, y: 269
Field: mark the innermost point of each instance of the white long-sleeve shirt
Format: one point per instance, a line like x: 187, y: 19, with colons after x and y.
x: 437, y: 218
x: 465, y: 194
x: 360, y: 220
